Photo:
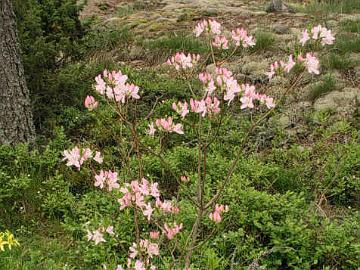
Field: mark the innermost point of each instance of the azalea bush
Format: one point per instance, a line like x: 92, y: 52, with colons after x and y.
x: 171, y: 220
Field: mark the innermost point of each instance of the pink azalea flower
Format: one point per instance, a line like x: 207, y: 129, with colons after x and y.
x: 119, y: 267
x: 216, y: 215
x: 147, y: 212
x: 98, y: 237
x: 269, y: 102
x: 100, y: 179
x: 72, y: 157
x: 241, y: 37
x: 181, y: 108
x: 89, y: 235
x: 154, y: 191
x: 152, y: 129
x: 198, y: 106
x: 110, y: 230
x: 170, y: 232
x: 182, y: 61
x: 316, y: 32
x: 152, y: 249
x: 312, y: 64
x: 98, y: 158
x: 154, y: 234
x: 327, y: 37
x: 200, y: 28
x: 139, y: 265
x: 221, y: 42
x: 305, y: 37
x: 169, y: 126
x: 90, y: 103
x: 290, y: 64
x: 112, y: 181
x: 184, y: 179
x: 133, y: 251
x: 215, y: 27
x: 113, y: 85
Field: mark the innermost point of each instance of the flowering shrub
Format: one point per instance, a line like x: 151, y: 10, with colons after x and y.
x: 157, y: 228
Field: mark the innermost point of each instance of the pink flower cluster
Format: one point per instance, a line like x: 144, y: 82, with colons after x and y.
x: 312, y: 64
x: 241, y: 37
x: 208, y: 105
x: 76, y: 156
x: 207, y: 26
x: 98, y: 235
x: 250, y: 96
x: 166, y: 125
x: 216, y: 215
x: 183, y: 61
x: 137, y: 265
x: 226, y: 83
x: 281, y: 66
x: 113, y: 85
x: 90, y: 103
x: 107, y: 178
x: 140, y: 195
x: 145, y: 247
x: 221, y: 42
x: 171, y: 231
x: 318, y: 33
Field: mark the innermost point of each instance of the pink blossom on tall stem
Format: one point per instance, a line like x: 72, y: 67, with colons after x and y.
x: 208, y: 82
x: 216, y: 215
x: 184, y: 179
x: 169, y: 126
x: 212, y: 105
x: 327, y: 38
x: 215, y: 27
x: 241, y: 37
x: 208, y: 26
x: 98, y: 158
x: 183, y: 61
x: 289, y: 65
x: 181, y: 108
x: 90, y: 103
x: 97, y: 236
x: 312, y: 64
x: 200, y: 28
x: 76, y: 157
x: 221, y: 42
x: 107, y: 178
x: 151, y: 130
x: 154, y: 234
x: 305, y: 37
x: 171, y: 230
x: 113, y: 85
x: 198, y: 106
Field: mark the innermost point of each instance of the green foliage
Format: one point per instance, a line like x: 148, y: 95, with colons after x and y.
x: 333, y: 6
x: 264, y: 41
x: 339, y: 62
x: 352, y: 26
x: 49, y: 32
x: 175, y: 43
x: 325, y: 86
x: 346, y: 43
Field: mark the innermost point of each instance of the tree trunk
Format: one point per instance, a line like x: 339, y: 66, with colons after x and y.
x: 16, y: 122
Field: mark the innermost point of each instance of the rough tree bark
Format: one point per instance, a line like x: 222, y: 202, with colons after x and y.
x: 16, y: 122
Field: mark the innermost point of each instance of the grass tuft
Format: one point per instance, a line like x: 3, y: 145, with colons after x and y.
x: 327, y: 85
x: 264, y: 41
x: 332, y: 6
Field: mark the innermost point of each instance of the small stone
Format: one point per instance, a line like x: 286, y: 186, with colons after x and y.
x: 281, y: 29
